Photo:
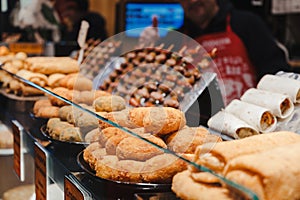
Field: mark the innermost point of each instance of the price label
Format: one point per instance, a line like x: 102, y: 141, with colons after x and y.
x: 29, y: 48
x: 18, y: 159
x: 71, y: 191
x: 41, y: 173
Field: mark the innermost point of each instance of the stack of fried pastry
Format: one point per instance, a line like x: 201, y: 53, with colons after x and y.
x: 49, y: 108
x: 267, y: 164
x: 117, y: 155
x: 68, y: 123
x: 48, y: 72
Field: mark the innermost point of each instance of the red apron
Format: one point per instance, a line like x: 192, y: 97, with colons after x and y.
x: 234, y: 67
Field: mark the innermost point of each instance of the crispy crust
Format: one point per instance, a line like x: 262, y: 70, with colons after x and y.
x: 132, y: 148
x: 186, y: 188
x: 159, y: 121
x: 187, y: 139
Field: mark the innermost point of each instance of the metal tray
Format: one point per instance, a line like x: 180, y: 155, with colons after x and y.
x: 133, y: 187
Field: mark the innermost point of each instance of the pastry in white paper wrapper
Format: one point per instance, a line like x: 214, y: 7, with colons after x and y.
x: 257, y: 116
x: 281, y: 105
x: 230, y: 125
x: 283, y: 85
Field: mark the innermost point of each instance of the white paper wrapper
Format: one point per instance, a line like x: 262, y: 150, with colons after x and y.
x: 282, y: 85
x: 270, y: 100
x: 230, y: 125
x: 253, y: 115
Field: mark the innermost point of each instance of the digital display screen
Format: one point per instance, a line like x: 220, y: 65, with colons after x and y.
x: 139, y: 15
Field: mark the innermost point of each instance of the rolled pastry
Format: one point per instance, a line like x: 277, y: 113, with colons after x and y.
x: 281, y: 85
x: 185, y: 187
x: 230, y: 125
x: 272, y: 174
x: 280, y: 105
x: 216, y: 156
x: 37, y: 78
x: 259, y: 117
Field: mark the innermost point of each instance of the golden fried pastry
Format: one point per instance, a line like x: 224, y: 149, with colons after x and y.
x: 129, y: 171
x: 113, y: 141
x: 52, y: 122
x: 48, y: 112
x: 271, y: 174
x: 4, y: 51
x: 88, y: 97
x: 54, y: 79
x: 109, y: 103
x: 70, y: 134
x: 5, y: 78
x: 215, y: 156
x: 55, y: 126
x: 105, y: 134
x: 51, y: 65
x: 79, y: 83
x: 63, y: 92
x: 21, y: 55
x: 30, y: 91
x: 157, y: 120
x: 119, y: 117
x: 15, y: 86
x: 39, y: 104
x: 92, y: 136
x: 106, y: 167
x: 132, y: 148
x: 96, y: 155
x: 64, y: 111
x: 88, y: 152
x: 86, y: 122
x: 64, y: 81
x: 37, y: 78
x: 186, y: 188
x: 162, y: 168
x: 187, y: 139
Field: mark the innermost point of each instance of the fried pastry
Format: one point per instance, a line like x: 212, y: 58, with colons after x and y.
x: 132, y: 148
x: 39, y: 104
x: 106, y: 167
x: 109, y: 103
x: 48, y: 112
x: 53, y: 80
x: 272, y: 174
x: 37, y: 78
x: 119, y: 117
x: 64, y: 111
x: 92, y: 136
x: 186, y: 188
x: 51, y: 65
x: 63, y: 92
x: 158, y: 120
x: 216, y: 155
x: 187, y: 139
x: 79, y: 83
x: 88, y: 154
x: 70, y: 134
x: 162, y: 168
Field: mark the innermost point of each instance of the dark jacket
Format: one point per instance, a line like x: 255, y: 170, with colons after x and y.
x: 262, y: 48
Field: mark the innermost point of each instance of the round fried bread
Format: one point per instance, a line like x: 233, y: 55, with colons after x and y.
x: 132, y: 148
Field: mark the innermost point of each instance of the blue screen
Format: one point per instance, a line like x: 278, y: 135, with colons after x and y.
x: 139, y: 15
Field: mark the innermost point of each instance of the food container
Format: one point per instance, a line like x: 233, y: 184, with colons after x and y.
x: 121, y: 190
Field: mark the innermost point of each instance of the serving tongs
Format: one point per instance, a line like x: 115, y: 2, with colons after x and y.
x: 239, y: 191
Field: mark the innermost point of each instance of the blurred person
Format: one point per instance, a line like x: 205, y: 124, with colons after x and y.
x: 72, y: 12
x: 246, y: 49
